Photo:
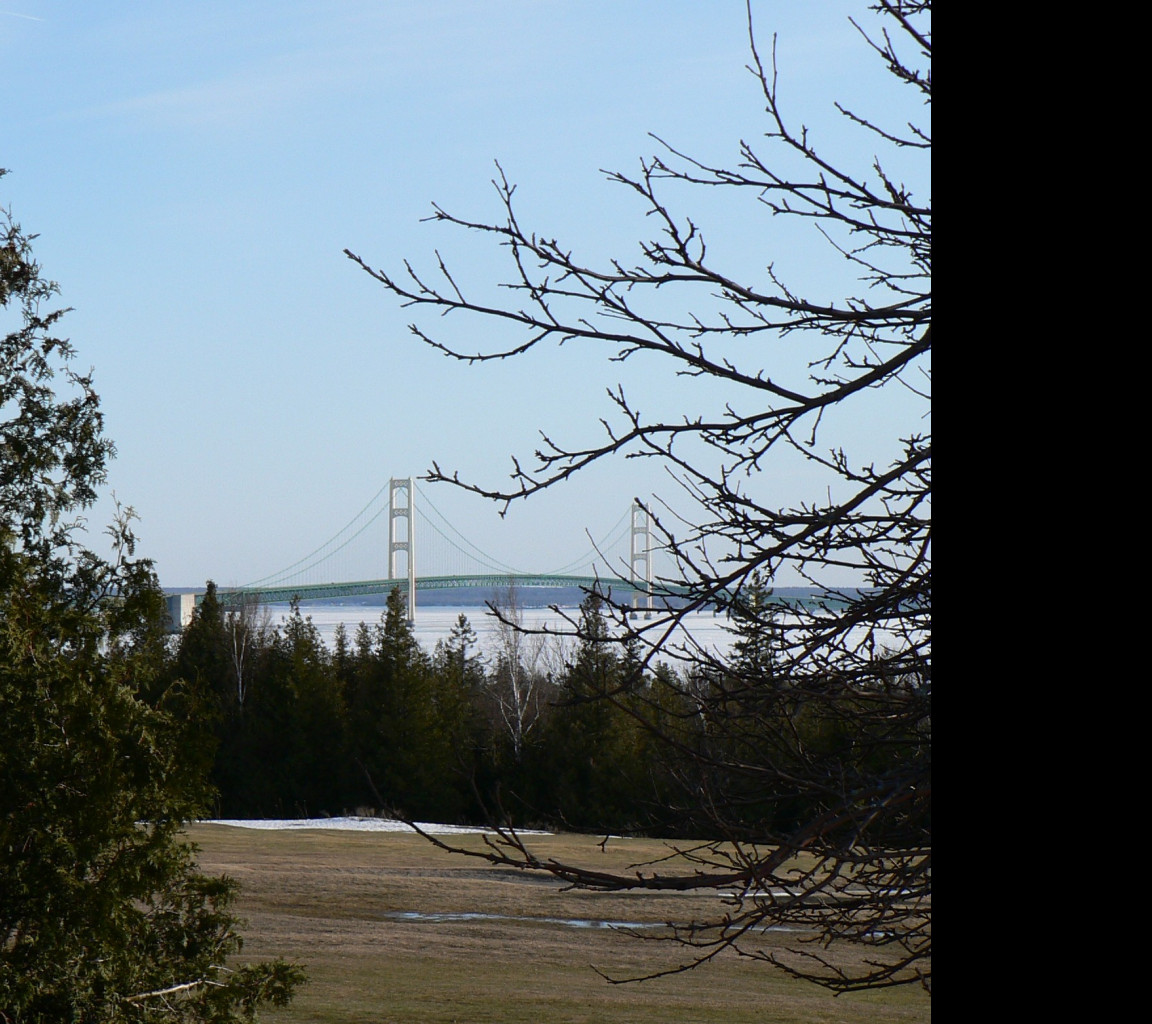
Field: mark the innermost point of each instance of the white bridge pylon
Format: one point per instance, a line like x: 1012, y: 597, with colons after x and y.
x: 401, y: 495
x: 400, y: 511
x: 641, y: 553
x: 402, y: 540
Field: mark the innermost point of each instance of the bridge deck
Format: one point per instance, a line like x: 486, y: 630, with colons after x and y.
x: 320, y: 591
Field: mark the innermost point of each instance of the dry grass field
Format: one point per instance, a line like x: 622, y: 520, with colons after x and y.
x: 335, y: 902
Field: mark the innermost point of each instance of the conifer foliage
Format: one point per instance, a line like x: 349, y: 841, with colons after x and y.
x: 103, y: 913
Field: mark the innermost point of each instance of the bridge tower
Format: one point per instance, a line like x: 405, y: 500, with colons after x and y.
x: 641, y: 555
x: 400, y: 503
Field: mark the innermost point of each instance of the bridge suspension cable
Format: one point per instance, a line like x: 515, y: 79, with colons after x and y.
x: 478, y: 553
x: 298, y: 568
x: 377, y: 507
x: 614, y: 536
x: 600, y: 549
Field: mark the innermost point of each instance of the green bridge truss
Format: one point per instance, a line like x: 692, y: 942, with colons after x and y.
x: 281, y: 594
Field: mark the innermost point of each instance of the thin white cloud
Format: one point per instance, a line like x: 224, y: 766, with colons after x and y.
x: 249, y: 95
x: 296, y: 60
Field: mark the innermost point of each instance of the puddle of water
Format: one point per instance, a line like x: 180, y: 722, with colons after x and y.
x: 567, y: 922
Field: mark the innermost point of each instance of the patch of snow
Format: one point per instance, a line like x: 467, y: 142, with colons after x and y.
x: 360, y: 824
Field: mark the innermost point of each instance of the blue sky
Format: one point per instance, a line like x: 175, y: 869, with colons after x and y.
x: 194, y: 171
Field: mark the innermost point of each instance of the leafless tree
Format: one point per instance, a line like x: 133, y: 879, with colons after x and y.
x: 247, y: 627
x: 815, y: 778
x: 520, y: 675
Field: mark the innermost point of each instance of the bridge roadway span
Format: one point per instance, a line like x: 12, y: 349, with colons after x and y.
x: 281, y: 594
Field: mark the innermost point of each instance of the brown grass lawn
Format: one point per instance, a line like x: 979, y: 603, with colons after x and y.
x: 331, y: 901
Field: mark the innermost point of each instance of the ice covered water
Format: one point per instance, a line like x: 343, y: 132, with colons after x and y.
x: 699, y: 630
x: 435, y: 622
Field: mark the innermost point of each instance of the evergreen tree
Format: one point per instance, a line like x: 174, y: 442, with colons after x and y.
x: 458, y: 684
x: 342, y: 658
x: 395, y: 640
x: 398, y: 737
x: 586, y: 769
x: 198, y: 674
x: 458, y: 690
x: 452, y: 657
x: 103, y: 914
x: 756, y: 643
x: 318, y: 763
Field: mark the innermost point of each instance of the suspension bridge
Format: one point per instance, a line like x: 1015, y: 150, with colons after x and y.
x: 620, y: 562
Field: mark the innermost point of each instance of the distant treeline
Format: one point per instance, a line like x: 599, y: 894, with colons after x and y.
x: 287, y: 727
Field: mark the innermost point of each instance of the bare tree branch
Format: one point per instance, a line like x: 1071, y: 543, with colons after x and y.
x: 805, y: 758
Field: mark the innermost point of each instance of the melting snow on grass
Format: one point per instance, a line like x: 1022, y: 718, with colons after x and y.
x: 359, y: 824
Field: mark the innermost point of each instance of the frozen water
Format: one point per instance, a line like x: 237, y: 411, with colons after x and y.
x: 434, y: 623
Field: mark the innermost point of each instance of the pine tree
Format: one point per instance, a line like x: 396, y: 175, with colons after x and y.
x: 458, y: 690
x: 103, y: 913
x: 755, y: 647
x: 587, y: 761
x: 317, y: 765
